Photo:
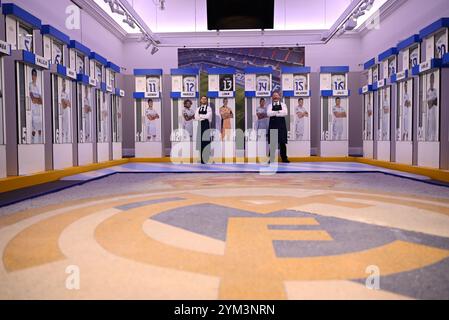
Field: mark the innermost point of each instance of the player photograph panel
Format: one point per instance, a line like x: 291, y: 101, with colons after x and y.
x: 414, y: 56
x: 301, y: 119
x: 261, y: 119
x: 30, y: 105
x: 2, y: 109
x: 384, y: 113
x: 405, y: 111
x: 116, y: 118
x: 226, y: 122
x: 153, y: 85
x: 98, y: 71
x: 139, y: 120
x: 441, y: 43
x: 300, y: 83
x: 62, y: 110
x: 428, y: 123
x: 189, y: 85
x: 25, y: 38
x: 151, y: 121
x: 392, y: 66
x: 57, y: 52
x: 103, y: 117
x: 375, y: 74
x: 80, y: 65
x: 263, y: 84
x: 368, y: 116
x: 326, y: 119
x: 112, y: 77
x: 186, y: 119
x: 338, y: 82
x: 339, y: 118
x: 85, y: 113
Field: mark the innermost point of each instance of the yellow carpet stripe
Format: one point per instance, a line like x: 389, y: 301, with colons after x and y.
x: 19, y: 182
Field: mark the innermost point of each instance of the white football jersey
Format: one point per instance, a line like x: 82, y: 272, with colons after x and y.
x: 65, y: 96
x: 414, y: 57
x: 406, y: 100
x: 57, y: 54
x: 25, y: 40
x: 189, y: 84
x: 432, y: 95
x: 151, y: 113
x: 300, y: 83
x: 263, y: 83
x: 98, y: 72
x: 441, y: 46
x: 392, y: 67
x: 339, y: 82
x: 339, y: 109
x: 153, y: 84
x: 79, y: 64
x: 86, y: 104
x: 104, y: 104
x: 35, y: 90
x: 299, y: 109
x: 375, y: 75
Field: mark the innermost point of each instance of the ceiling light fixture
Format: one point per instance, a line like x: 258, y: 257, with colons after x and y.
x: 119, y: 8
x: 350, y: 23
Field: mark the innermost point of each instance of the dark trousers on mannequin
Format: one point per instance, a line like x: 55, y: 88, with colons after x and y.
x: 283, y: 151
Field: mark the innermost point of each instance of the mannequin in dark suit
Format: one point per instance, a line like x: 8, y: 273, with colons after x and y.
x: 277, y: 111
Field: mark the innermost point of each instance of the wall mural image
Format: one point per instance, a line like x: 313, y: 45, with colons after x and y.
x: 241, y: 58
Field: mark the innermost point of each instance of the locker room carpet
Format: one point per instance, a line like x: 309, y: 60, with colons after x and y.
x: 229, y: 236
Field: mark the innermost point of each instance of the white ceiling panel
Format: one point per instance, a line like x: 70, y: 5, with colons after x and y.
x: 191, y: 15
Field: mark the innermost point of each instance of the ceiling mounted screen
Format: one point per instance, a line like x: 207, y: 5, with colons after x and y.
x: 240, y: 14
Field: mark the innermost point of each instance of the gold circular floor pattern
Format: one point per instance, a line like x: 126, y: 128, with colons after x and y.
x: 117, y: 253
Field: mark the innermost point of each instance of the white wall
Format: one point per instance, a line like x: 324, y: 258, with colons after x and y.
x: 337, y: 52
x: 139, y: 58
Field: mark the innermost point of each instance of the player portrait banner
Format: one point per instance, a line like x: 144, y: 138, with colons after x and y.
x: 31, y: 109
x: 148, y: 106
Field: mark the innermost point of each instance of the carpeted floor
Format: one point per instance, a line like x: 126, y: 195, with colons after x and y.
x: 229, y: 236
